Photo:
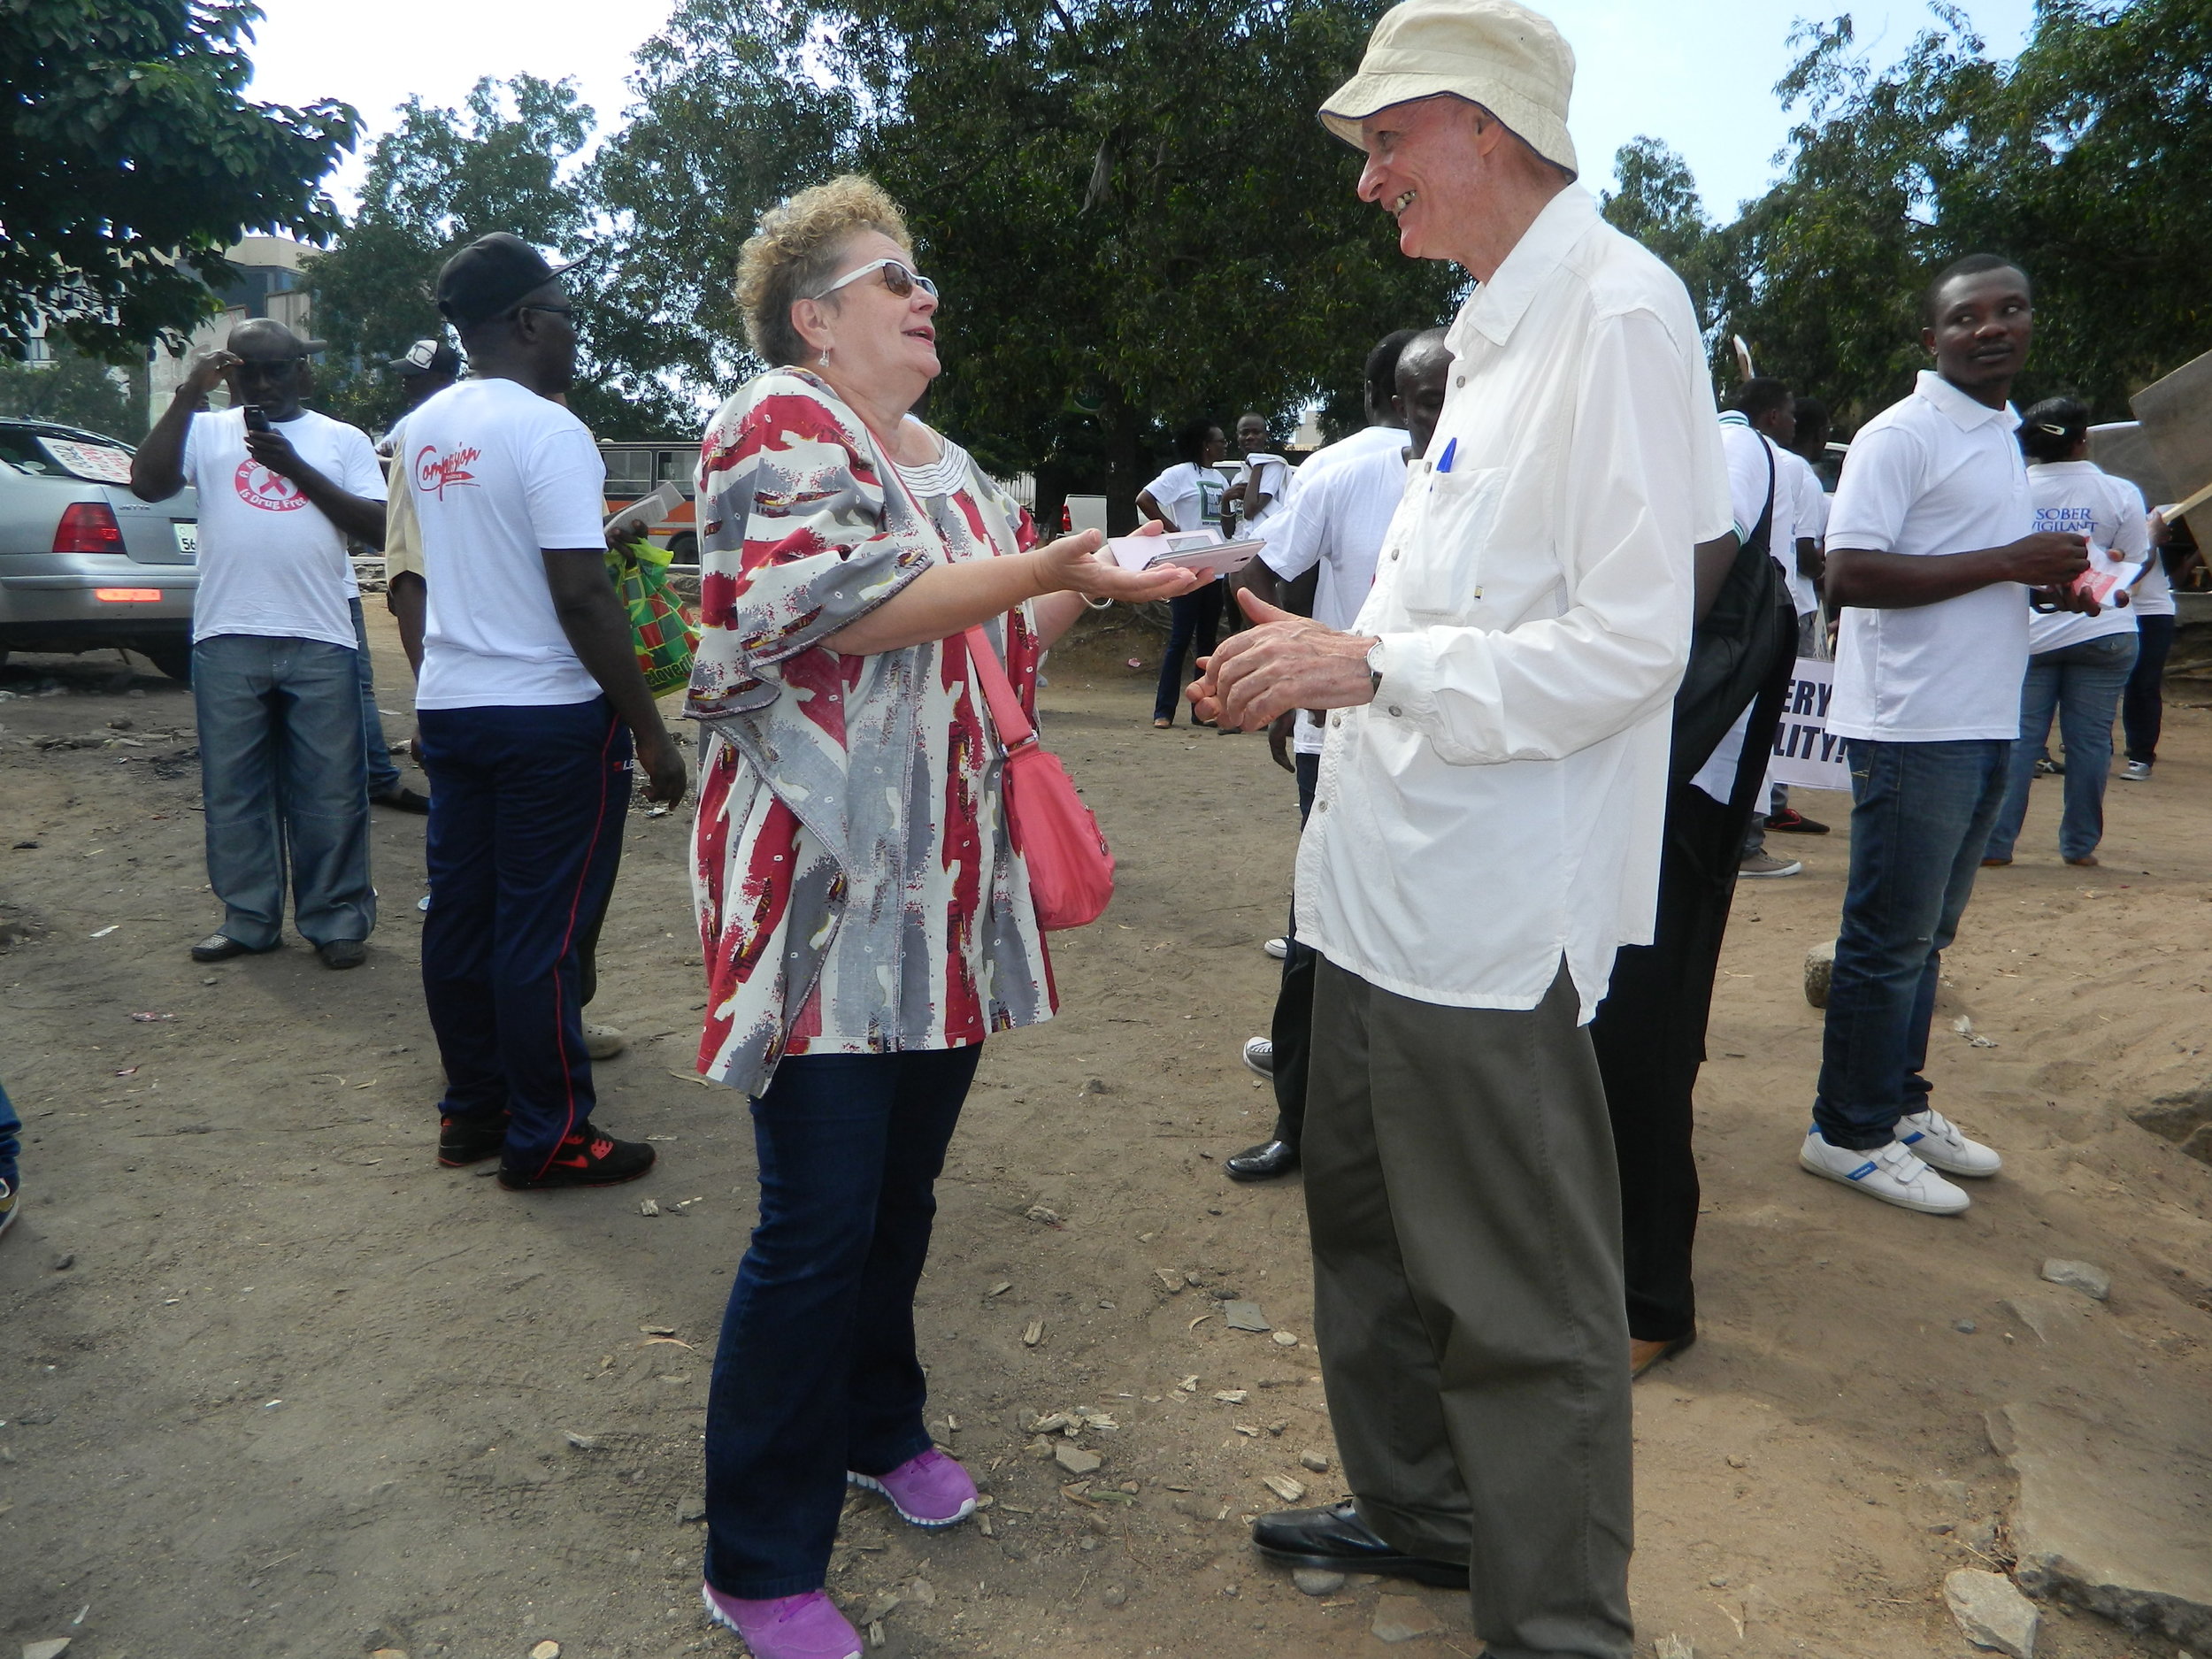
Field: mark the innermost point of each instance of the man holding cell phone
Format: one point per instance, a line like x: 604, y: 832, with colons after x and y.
x: 276, y: 676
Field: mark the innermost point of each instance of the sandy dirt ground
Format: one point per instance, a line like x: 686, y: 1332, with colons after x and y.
x: 274, y: 1383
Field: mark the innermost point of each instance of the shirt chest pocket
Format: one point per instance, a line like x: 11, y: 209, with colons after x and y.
x: 1445, y: 554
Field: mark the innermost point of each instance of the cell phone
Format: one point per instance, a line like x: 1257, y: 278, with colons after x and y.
x: 256, y: 419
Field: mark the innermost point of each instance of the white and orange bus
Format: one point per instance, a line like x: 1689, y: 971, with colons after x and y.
x: 636, y: 470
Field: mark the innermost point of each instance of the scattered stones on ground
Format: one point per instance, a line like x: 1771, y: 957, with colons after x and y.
x: 1673, y: 1647
x: 581, y: 1443
x: 1113, y: 1596
x: 66, y: 1260
x: 657, y: 1330
x: 1169, y: 1276
x: 1820, y: 962
x: 886, y: 1603
x: 999, y: 1289
x: 1403, y: 1618
x: 1075, y: 1460
x: 2111, y: 1515
x: 1244, y: 1315
x: 1040, y: 1213
x: 921, y: 1593
x: 51, y: 1649
x: 1284, y: 1487
x: 648, y: 1207
x: 2086, y: 1277
x: 1032, y: 1334
x: 1285, y: 1339
x: 1964, y: 1327
x: 1992, y: 1612
x: 1318, y: 1462
x: 1317, y: 1580
x: 690, y: 1509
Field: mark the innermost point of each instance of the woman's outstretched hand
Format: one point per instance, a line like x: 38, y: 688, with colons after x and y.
x: 1077, y: 565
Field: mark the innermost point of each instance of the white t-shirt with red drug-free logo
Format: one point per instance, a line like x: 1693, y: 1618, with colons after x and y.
x: 499, y: 474
x: 270, y: 563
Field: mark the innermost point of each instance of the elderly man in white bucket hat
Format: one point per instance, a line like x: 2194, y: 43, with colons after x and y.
x: 1485, y: 833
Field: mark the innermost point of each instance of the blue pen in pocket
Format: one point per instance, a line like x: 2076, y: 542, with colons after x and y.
x: 1444, y: 462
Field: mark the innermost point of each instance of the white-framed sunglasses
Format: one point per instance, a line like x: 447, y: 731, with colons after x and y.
x: 901, y: 278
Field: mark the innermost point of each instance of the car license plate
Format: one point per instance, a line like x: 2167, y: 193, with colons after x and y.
x: 187, y: 537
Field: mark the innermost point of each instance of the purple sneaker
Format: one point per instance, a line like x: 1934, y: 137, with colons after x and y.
x: 932, y: 1490
x: 789, y: 1627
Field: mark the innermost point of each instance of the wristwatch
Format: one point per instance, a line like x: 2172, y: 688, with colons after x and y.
x: 1374, y: 669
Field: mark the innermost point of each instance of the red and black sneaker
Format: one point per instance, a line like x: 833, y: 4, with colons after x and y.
x: 470, y: 1138
x: 587, y: 1158
x: 1790, y: 821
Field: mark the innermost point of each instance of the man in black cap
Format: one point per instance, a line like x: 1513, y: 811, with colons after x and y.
x: 529, y: 702
x: 424, y: 369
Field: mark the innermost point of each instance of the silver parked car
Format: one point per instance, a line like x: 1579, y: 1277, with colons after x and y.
x: 84, y: 562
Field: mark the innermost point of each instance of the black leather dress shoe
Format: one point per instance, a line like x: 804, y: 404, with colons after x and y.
x: 222, y: 948
x: 1262, y: 1162
x: 1337, y: 1541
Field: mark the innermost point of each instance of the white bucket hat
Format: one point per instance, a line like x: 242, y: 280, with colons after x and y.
x: 1492, y: 52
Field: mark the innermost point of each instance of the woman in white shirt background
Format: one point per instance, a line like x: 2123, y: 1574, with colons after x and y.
x: 2143, y: 705
x: 1185, y: 497
x: 2078, y: 665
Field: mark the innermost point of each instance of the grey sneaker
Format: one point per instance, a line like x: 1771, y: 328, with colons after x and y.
x: 1259, y: 1055
x: 1767, y: 865
x: 11, y: 1205
x: 2137, y: 772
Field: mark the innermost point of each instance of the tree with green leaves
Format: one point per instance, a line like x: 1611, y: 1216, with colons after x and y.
x: 1658, y: 204
x: 2084, y: 159
x: 72, y: 389
x: 136, y: 160
x: 1135, y: 214
x: 435, y: 182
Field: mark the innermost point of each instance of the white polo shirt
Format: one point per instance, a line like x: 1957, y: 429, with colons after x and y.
x: 1337, y: 518
x: 1935, y: 473
x: 1809, y: 511
x: 1499, y: 805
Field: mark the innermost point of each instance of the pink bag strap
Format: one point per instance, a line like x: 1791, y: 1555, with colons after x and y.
x: 1014, y: 729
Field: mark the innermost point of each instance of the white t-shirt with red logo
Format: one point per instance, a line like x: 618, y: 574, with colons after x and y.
x: 270, y: 563
x: 498, y: 475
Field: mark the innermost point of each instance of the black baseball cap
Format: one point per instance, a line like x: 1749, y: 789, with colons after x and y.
x: 428, y: 357
x: 489, y: 276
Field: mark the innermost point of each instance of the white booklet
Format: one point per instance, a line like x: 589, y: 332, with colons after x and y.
x: 641, y: 515
x: 1201, y: 551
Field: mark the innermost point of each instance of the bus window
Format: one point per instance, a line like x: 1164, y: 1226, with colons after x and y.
x: 629, y: 473
x: 678, y: 464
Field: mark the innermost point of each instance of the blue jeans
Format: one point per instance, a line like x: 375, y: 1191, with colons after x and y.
x: 1195, y: 623
x: 10, y: 1138
x: 2083, y: 684
x: 281, y: 772
x: 383, y: 776
x: 526, y: 808
x: 816, y: 1373
x: 1920, y: 819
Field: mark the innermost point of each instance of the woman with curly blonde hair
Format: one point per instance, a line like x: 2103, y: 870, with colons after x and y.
x: 866, y: 920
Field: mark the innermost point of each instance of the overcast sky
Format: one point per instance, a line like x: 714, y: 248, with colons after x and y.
x: 1699, y: 74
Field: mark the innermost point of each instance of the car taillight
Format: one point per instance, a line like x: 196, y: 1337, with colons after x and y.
x: 128, y: 596
x: 1067, y: 520
x: 89, y: 527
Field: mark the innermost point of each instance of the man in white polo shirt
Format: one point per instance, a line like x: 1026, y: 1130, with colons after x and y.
x: 1334, y: 523
x: 1932, y: 549
x: 1485, y: 833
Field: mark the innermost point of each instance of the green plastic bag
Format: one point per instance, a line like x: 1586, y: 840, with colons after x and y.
x: 664, y: 638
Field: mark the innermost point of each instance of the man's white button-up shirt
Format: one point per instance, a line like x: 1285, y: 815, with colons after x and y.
x: 1499, y: 805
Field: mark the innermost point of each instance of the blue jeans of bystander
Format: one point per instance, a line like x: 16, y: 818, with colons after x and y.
x: 280, y: 775
x: 383, y: 776
x: 10, y: 1138
x: 816, y: 1374
x: 2082, y: 684
x: 1920, y: 817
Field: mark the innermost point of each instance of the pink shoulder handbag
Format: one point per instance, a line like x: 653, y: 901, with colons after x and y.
x: 1071, y: 871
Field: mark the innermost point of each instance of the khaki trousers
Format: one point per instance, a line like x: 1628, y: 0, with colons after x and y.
x: 1465, y: 1217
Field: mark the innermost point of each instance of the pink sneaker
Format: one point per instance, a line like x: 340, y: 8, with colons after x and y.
x: 788, y: 1627
x: 932, y: 1490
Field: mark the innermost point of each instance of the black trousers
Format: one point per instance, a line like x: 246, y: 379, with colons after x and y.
x: 1649, y: 1032
x: 2143, y: 705
x: 1292, y: 1029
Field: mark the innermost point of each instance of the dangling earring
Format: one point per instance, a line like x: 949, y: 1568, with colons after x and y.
x: 823, y: 359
